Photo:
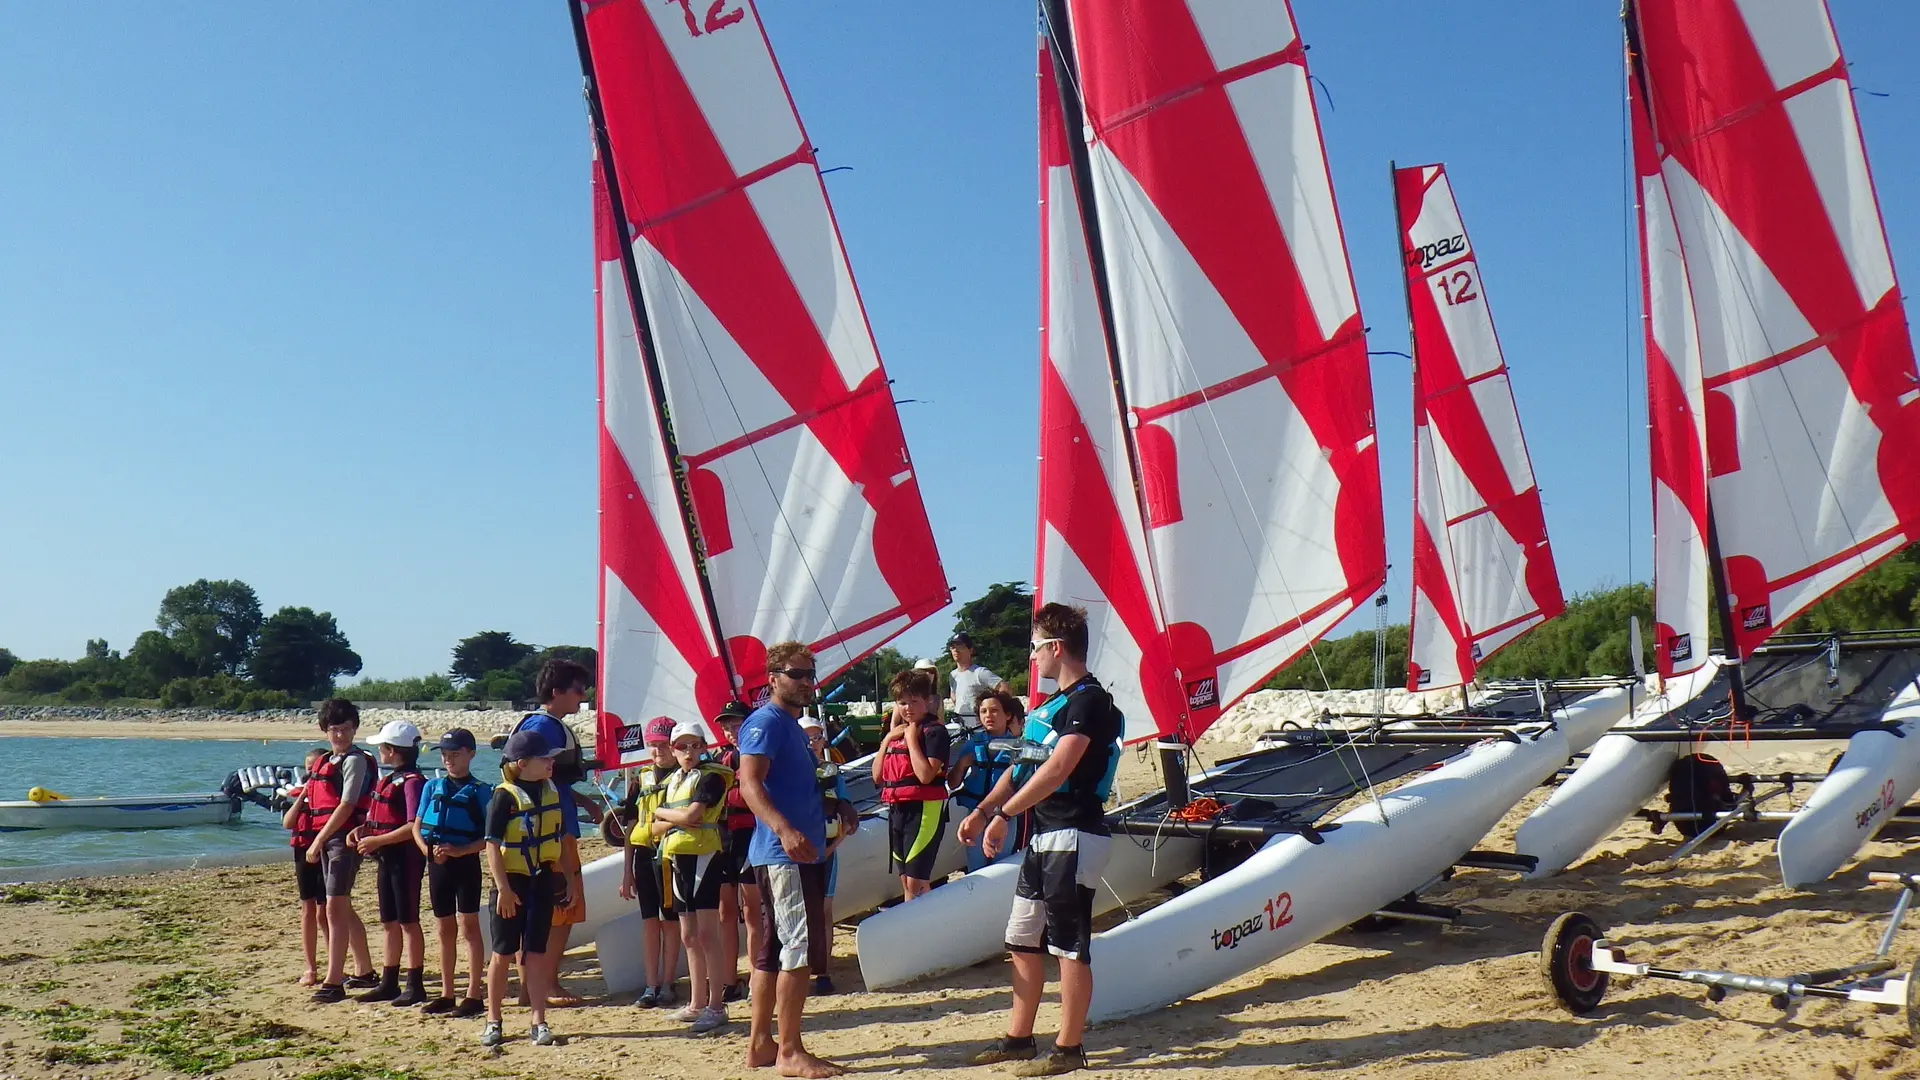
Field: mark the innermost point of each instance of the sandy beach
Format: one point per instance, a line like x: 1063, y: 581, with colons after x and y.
x: 180, y: 973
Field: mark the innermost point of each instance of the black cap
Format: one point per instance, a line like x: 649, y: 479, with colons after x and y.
x: 457, y: 739
x: 732, y: 710
x: 960, y: 638
x: 527, y: 743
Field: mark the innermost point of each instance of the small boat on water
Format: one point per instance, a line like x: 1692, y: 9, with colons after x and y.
x: 119, y: 812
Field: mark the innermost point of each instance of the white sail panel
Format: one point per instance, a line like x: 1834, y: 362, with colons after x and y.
x: 1483, y: 568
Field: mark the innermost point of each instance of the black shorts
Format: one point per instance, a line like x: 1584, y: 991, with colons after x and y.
x: 914, y: 830
x: 738, y: 871
x: 793, y: 917
x: 697, y: 880
x: 398, y: 876
x: 1053, y: 901
x: 308, y: 877
x: 454, y: 886
x: 339, y: 866
x: 650, y: 885
x: 527, y: 930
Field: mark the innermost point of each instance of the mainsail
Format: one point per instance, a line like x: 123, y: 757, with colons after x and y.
x: 755, y: 483
x: 1781, y: 379
x: 1227, y: 402
x: 1483, y: 572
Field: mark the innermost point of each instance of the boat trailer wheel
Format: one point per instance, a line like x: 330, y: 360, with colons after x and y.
x: 1566, y: 960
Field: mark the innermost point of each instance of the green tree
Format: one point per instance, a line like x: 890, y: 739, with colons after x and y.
x: 867, y: 679
x: 39, y: 677
x: 500, y: 686
x: 300, y: 651
x: 434, y: 687
x: 1000, y: 622
x: 7, y: 661
x: 488, y: 651
x: 1589, y: 638
x: 1345, y: 664
x: 584, y: 655
x: 154, y: 661
x: 213, y: 624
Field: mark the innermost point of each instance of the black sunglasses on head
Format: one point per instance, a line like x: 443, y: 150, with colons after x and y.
x: 803, y: 674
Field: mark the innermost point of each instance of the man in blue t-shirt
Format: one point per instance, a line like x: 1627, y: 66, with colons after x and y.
x: 777, y: 778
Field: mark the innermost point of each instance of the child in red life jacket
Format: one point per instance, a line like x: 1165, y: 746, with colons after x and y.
x: 339, y: 791
x: 388, y: 835
x: 911, y: 771
x: 299, y: 820
x: 739, y: 894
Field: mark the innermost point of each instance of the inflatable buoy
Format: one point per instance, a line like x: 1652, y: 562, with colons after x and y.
x: 41, y: 794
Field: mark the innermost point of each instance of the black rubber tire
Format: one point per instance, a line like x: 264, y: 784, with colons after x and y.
x: 1698, y: 784
x: 614, y: 831
x: 1913, y: 1003
x: 1566, y: 962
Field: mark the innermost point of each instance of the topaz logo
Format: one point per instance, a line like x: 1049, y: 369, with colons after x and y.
x: 1203, y: 694
x: 1680, y: 647
x: 1881, y: 803
x: 1423, y: 678
x: 1475, y: 652
x: 762, y: 695
x: 1426, y: 255
x: 1276, y: 913
x: 631, y: 737
x: 1757, y: 617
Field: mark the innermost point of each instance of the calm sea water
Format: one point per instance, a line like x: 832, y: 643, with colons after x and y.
x: 150, y: 767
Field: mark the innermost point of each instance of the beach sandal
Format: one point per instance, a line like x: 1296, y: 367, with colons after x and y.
x: 667, y: 998
x: 1006, y: 1049
x: 1062, y: 1060
x: 650, y: 997
x: 361, y: 982
x: 710, y: 1018
x: 329, y: 994
x: 439, y: 1005
x: 468, y: 1008
x: 687, y: 1014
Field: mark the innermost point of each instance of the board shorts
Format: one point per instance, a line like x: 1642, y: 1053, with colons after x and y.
x: 651, y: 886
x: 397, y: 871
x: 339, y: 866
x: 527, y: 930
x: 737, y: 869
x: 697, y: 880
x: 1053, y: 901
x: 309, y: 878
x: 454, y: 886
x: 914, y: 831
x: 793, y: 917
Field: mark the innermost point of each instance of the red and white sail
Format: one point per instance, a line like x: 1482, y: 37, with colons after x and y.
x: 807, y: 508
x: 1483, y: 571
x: 1778, y: 357
x: 1241, y: 362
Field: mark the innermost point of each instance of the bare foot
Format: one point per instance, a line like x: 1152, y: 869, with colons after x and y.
x: 309, y: 977
x: 806, y: 1065
x: 761, y: 1055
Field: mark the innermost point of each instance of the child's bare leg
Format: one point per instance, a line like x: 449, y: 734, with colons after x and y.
x: 354, y: 932
x: 497, y: 984
x: 670, y: 952
x: 539, y: 978
x: 416, y: 941
x: 446, y: 932
x: 708, y: 933
x: 729, y: 957
x: 750, y: 912
x: 701, y: 968
x: 476, y: 957
x: 652, y: 945
x: 311, y: 915
x: 340, y: 933
x: 393, y: 933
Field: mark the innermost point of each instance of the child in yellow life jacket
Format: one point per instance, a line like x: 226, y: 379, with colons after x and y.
x: 688, y: 825
x: 388, y: 835
x: 307, y: 878
x: 646, y: 876
x: 525, y: 825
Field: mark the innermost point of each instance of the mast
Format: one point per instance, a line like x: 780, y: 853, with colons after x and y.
x: 1059, y: 35
x: 649, y: 358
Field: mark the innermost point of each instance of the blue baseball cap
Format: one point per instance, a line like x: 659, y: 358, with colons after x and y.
x: 457, y: 739
x: 528, y: 743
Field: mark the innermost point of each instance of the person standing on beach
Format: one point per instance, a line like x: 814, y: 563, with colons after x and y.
x: 980, y: 766
x: 304, y: 825
x: 968, y: 681
x: 782, y: 789
x: 562, y: 688
x: 910, y: 770
x: 1067, y: 793
x: 450, y: 830
x: 387, y: 837
x: 739, y: 894
x: 339, y: 793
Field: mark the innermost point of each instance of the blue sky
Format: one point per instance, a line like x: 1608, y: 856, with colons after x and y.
x: 300, y: 294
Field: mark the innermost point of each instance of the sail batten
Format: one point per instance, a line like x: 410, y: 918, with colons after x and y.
x: 789, y: 474
x: 1239, y: 386
x: 1780, y: 365
x: 1483, y: 569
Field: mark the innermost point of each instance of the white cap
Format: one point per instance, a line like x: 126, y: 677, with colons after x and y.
x: 397, y: 733
x: 924, y: 664
x: 812, y: 723
x: 691, y: 727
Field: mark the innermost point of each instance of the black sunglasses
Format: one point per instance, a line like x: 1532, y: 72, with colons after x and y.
x: 803, y: 674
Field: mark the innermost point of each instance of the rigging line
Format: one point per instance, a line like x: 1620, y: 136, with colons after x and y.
x: 1630, y: 209
x: 706, y: 350
x: 1137, y: 234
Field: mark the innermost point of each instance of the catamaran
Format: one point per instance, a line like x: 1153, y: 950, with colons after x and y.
x: 755, y: 484
x: 1209, y: 492
x: 1784, y: 412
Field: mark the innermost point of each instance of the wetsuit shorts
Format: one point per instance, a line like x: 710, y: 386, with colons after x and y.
x: 397, y: 871
x: 454, y: 886
x: 309, y: 877
x: 914, y: 830
x: 339, y: 866
x: 697, y: 880
x: 793, y: 916
x: 1053, y: 900
x: 527, y: 929
x: 738, y: 871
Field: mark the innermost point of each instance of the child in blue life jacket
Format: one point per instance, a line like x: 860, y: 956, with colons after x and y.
x: 304, y: 825
x: 451, y: 832
x: 980, y: 766
x: 388, y: 836
x: 525, y: 827
x: 646, y: 878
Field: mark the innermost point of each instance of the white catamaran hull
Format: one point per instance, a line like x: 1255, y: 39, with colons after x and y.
x: 1294, y: 892
x: 1620, y: 776
x: 119, y: 812
x: 1877, y: 775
